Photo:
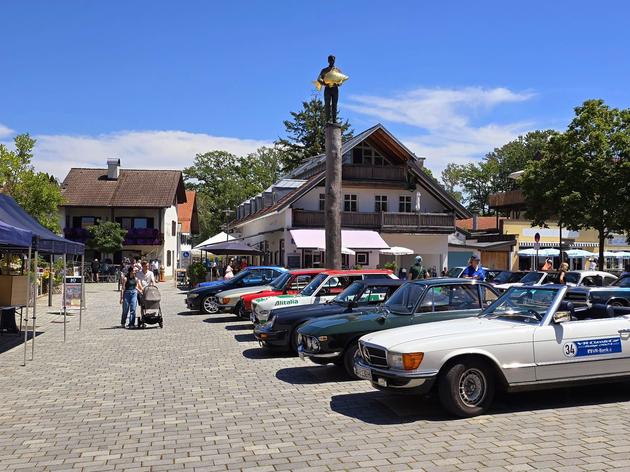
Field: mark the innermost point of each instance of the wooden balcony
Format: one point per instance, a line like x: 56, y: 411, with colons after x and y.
x: 388, y: 173
x: 384, y: 221
x: 511, y: 199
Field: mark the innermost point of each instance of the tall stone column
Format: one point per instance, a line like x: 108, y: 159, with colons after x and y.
x: 332, y: 211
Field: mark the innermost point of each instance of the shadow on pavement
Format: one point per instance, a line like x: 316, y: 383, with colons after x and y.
x: 244, y: 338
x: 220, y: 319
x: 10, y: 340
x: 191, y: 313
x: 383, y: 408
x: 263, y: 353
x: 313, y: 374
x: 240, y: 327
x: 112, y: 327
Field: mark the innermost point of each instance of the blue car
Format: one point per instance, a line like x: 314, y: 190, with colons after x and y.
x: 203, y: 297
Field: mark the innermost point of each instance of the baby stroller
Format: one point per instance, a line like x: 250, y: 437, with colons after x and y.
x: 151, y: 312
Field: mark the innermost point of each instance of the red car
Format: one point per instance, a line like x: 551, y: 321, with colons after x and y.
x: 292, y: 282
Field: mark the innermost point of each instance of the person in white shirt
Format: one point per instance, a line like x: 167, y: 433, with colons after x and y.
x: 155, y: 268
x: 145, y: 276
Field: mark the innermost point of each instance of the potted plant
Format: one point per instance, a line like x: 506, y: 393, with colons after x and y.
x: 196, y: 273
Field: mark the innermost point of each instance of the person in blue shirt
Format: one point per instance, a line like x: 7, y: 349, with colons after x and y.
x: 474, y: 270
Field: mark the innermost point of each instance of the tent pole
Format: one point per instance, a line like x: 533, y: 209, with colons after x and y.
x: 82, y: 290
x: 63, y: 298
x: 28, y: 300
x: 50, y: 281
x: 34, y: 315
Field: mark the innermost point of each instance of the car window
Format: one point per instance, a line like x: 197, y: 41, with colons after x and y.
x: 374, y: 296
x: 253, y: 274
x: 300, y: 282
x: 487, y: 296
x: 463, y: 297
x: 608, y: 279
x: 375, y: 276
x: 623, y: 282
x: 591, y: 281
x: 333, y: 286
x: 404, y: 300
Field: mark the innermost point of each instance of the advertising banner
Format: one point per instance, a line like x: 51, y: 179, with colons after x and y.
x: 72, y: 297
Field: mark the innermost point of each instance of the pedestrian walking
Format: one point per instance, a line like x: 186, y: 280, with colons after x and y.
x: 155, y: 268
x: 129, y: 299
x: 417, y: 271
x: 474, y: 270
x: 96, y: 267
x: 564, y: 268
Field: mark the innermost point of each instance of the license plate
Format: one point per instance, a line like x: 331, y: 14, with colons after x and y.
x: 363, y: 372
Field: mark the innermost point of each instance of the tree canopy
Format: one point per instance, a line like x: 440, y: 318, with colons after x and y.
x: 107, y: 237
x: 306, y: 134
x: 223, y: 180
x: 583, y: 176
x: 37, y: 192
x: 472, y: 183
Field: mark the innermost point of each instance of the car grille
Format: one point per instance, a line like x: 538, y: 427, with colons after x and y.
x: 374, y: 356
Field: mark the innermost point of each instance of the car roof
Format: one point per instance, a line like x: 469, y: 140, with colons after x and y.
x: 448, y: 281
x: 356, y: 272
x: 387, y: 282
x: 281, y: 269
x: 591, y: 272
x: 306, y: 271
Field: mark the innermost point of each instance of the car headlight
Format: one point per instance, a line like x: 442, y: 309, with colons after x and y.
x: 406, y: 361
x: 193, y: 295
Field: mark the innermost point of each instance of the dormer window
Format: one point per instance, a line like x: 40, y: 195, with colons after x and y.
x: 365, y: 155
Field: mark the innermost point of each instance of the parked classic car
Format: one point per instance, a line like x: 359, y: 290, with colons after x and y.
x: 281, y: 329
x: 204, y: 298
x: 616, y: 294
x: 322, y: 288
x: 335, y: 338
x: 531, y: 337
x: 536, y: 277
x: 287, y: 282
x: 293, y: 284
x: 507, y: 277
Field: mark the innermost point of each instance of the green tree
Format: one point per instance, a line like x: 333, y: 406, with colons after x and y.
x: 474, y: 182
x: 223, y: 180
x: 106, y: 237
x: 306, y: 134
x: 582, y: 179
x: 37, y: 192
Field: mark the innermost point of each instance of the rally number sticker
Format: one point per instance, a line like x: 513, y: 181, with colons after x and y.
x: 592, y: 347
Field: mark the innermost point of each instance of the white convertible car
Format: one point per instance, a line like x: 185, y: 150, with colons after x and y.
x: 531, y: 337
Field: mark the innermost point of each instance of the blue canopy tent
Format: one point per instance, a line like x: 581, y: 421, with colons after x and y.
x: 42, y: 240
x: 14, y: 237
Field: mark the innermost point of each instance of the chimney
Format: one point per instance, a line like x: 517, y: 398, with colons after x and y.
x: 113, y: 166
x: 474, y: 222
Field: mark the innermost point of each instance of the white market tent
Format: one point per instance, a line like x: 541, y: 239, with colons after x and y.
x: 397, y: 251
x: 217, y: 238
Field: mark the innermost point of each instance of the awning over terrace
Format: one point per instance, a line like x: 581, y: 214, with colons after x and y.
x: 352, y: 239
x: 12, y: 236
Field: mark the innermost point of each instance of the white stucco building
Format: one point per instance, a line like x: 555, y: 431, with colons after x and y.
x: 388, y: 200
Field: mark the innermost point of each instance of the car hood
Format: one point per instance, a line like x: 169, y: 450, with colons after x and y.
x: 310, y: 311
x: 452, y: 334
x: 237, y: 292
x: 217, y: 287
x: 354, y: 322
x: 214, y: 283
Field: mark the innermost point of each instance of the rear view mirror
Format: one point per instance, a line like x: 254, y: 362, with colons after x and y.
x: 561, y: 316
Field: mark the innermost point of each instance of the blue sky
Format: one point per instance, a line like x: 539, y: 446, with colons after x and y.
x: 154, y: 82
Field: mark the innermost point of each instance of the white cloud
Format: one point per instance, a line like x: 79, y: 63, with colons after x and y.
x: 445, y: 118
x: 5, y: 131
x: 56, y: 154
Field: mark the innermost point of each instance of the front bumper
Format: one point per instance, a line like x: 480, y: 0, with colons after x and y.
x: 328, y: 356
x: 270, y: 337
x: 385, y: 379
x: 193, y: 303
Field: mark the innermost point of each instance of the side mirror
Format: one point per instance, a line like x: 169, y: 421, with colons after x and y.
x: 561, y: 317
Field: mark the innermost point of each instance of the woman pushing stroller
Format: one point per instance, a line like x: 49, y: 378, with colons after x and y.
x: 129, y: 298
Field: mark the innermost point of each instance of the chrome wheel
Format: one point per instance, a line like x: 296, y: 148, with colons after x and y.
x: 210, y: 305
x: 472, y: 387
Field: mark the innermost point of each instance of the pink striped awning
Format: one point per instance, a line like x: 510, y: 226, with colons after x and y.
x: 350, y: 238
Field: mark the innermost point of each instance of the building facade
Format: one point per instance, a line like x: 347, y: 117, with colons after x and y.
x: 388, y: 200
x: 143, y: 202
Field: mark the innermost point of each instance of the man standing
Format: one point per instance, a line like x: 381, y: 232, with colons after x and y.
x: 474, y: 270
x: 96, y: 267
x: 155, y: 268
x: 417, y: 271
x: 331, y: 92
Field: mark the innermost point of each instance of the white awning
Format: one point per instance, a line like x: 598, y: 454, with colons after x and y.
x: 217, y: 238
x: 350, y: 238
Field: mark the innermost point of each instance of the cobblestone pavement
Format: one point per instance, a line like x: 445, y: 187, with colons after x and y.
x: 200, y: 394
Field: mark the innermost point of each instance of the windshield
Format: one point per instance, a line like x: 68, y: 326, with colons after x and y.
x: 531, y: 278
x: 522, y: 304
x: 404, y: 300
x: 507, y: 277
x: 279, y: 282
x: 455, y: 272
x: 623, y: 282
x: 240, y: 276
x: 350, y: 294
x: 572, y: 278
x: 315, y: 283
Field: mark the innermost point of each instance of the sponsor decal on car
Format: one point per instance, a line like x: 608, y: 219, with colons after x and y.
x: 592, y: 347
x: 291, y: 301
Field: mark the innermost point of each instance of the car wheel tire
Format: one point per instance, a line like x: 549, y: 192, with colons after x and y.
x: 242, y: 312
x: 348, y: 360
x: 467, y: 388
x: 209, y: 306
x: 617, y: 303
x: 237, y: 308
x: 294, y: 341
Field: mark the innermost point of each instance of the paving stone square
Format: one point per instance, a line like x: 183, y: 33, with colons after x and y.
x: 201, y: 394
